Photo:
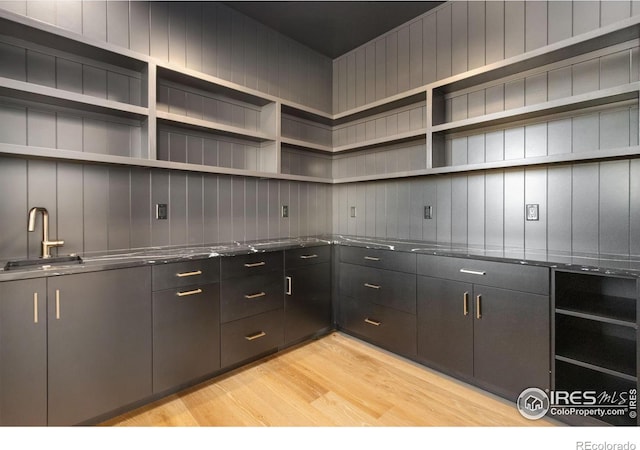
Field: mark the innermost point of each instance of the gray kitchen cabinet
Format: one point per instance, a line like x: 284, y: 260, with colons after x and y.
x: 378, y: 304
x: 251, y: 306
x: 23, y: 353
x: 99, y: 343
x: 186, y: 322
x: 497, y: 338
x: 307, y: 303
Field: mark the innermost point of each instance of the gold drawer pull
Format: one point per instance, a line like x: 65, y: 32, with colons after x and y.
x: 35, y: 307
x: 189, y: 274
x: 194, y: 292
x: 258, y: 264
x: 478, y: 310
x: 371, y: 258
x: 255, y: 336
x: 372, y: 286
x: 372, y: 322
x: 259, y: 294
x: 465, y: 304
x: 473, y: 272
x: 57, y: 304
x: 308, y: 256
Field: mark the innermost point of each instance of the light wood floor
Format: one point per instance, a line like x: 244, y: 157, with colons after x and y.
x: 334, y: 381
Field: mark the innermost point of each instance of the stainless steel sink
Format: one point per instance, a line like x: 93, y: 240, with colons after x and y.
x: 56, y: 260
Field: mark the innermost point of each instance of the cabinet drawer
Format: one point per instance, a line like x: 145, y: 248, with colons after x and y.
x: 487, y: 273
x: 247, y: 338
x: 252, y: 264
x: 389, y: 328
x: 188, y: 273
x: 251, y: 295
x: 383, y: 287
x: 381, y: 259
x: 306, y: 256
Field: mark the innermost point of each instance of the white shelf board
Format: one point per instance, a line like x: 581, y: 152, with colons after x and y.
x: 621, y: 31
x: 52, y: 36
x: 590, y: 99
x: 219, y: 128
x: 305, y: 145
x: 58, y: 97
x: 29, y: 152
x: 387, y: 140
x: 564, y: 158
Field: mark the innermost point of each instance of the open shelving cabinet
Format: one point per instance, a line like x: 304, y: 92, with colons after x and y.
x: 596, y: 335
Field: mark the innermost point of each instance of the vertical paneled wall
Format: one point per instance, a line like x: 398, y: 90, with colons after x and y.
x: 590, y: 207
x: 459, y: 36
x: 99, y: 208
x: 205, y: 36
x: 593, y: 207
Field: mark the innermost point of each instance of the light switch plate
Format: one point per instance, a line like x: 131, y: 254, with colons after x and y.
x: 162, y: 211
x: 352, y: 212
x: 532, y: 212
x: 285, y: 211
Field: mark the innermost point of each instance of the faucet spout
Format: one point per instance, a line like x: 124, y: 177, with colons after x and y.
x: 46, y: 243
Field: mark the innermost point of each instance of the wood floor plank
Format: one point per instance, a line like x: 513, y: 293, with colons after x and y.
x: 335, y: 381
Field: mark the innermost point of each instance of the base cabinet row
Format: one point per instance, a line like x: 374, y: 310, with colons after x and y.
x: 74, y: 347
x: 77, y: 348
x: 452, y: 314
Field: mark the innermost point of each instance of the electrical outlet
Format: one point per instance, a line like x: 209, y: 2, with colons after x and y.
x: 285, y: 211
x: 532, y: 212
x: 162, y: 211
x: 428, y: 212
x: 353, y: 211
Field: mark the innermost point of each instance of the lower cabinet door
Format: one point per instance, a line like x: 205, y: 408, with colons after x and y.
x: 307, y: 306
x: 511, y: 340
x: 248, y: 338
x: 23, y: 353
x: 445, y: 325
x: 389, y: 328
x: 99, y: 343
x: 186, y: 335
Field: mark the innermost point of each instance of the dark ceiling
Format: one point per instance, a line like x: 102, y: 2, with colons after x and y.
x: 336, y: 27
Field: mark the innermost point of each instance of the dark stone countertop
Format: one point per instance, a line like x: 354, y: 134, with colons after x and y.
x: 159, y: 255
x: 616, y: 265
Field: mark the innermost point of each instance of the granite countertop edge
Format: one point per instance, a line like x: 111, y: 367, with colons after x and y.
x: 615, y: 265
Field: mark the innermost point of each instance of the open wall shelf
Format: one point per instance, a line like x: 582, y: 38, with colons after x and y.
x: 155, y: 95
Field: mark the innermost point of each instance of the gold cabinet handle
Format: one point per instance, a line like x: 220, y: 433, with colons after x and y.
x: 35, y: 307
x: 255, y: 336
x: 371, y: 258
x: 57, y: 304
x: 257, y: 264
x: 372, y: 322
x: 473, y: 272
x: 259, y: 294
x: 308, y: 256
x: 372, y: 286
x: 189, y: 274
x: 194, y: 292
x: 465, y: 304
x: 289, y: 291
x: 478, y: 310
